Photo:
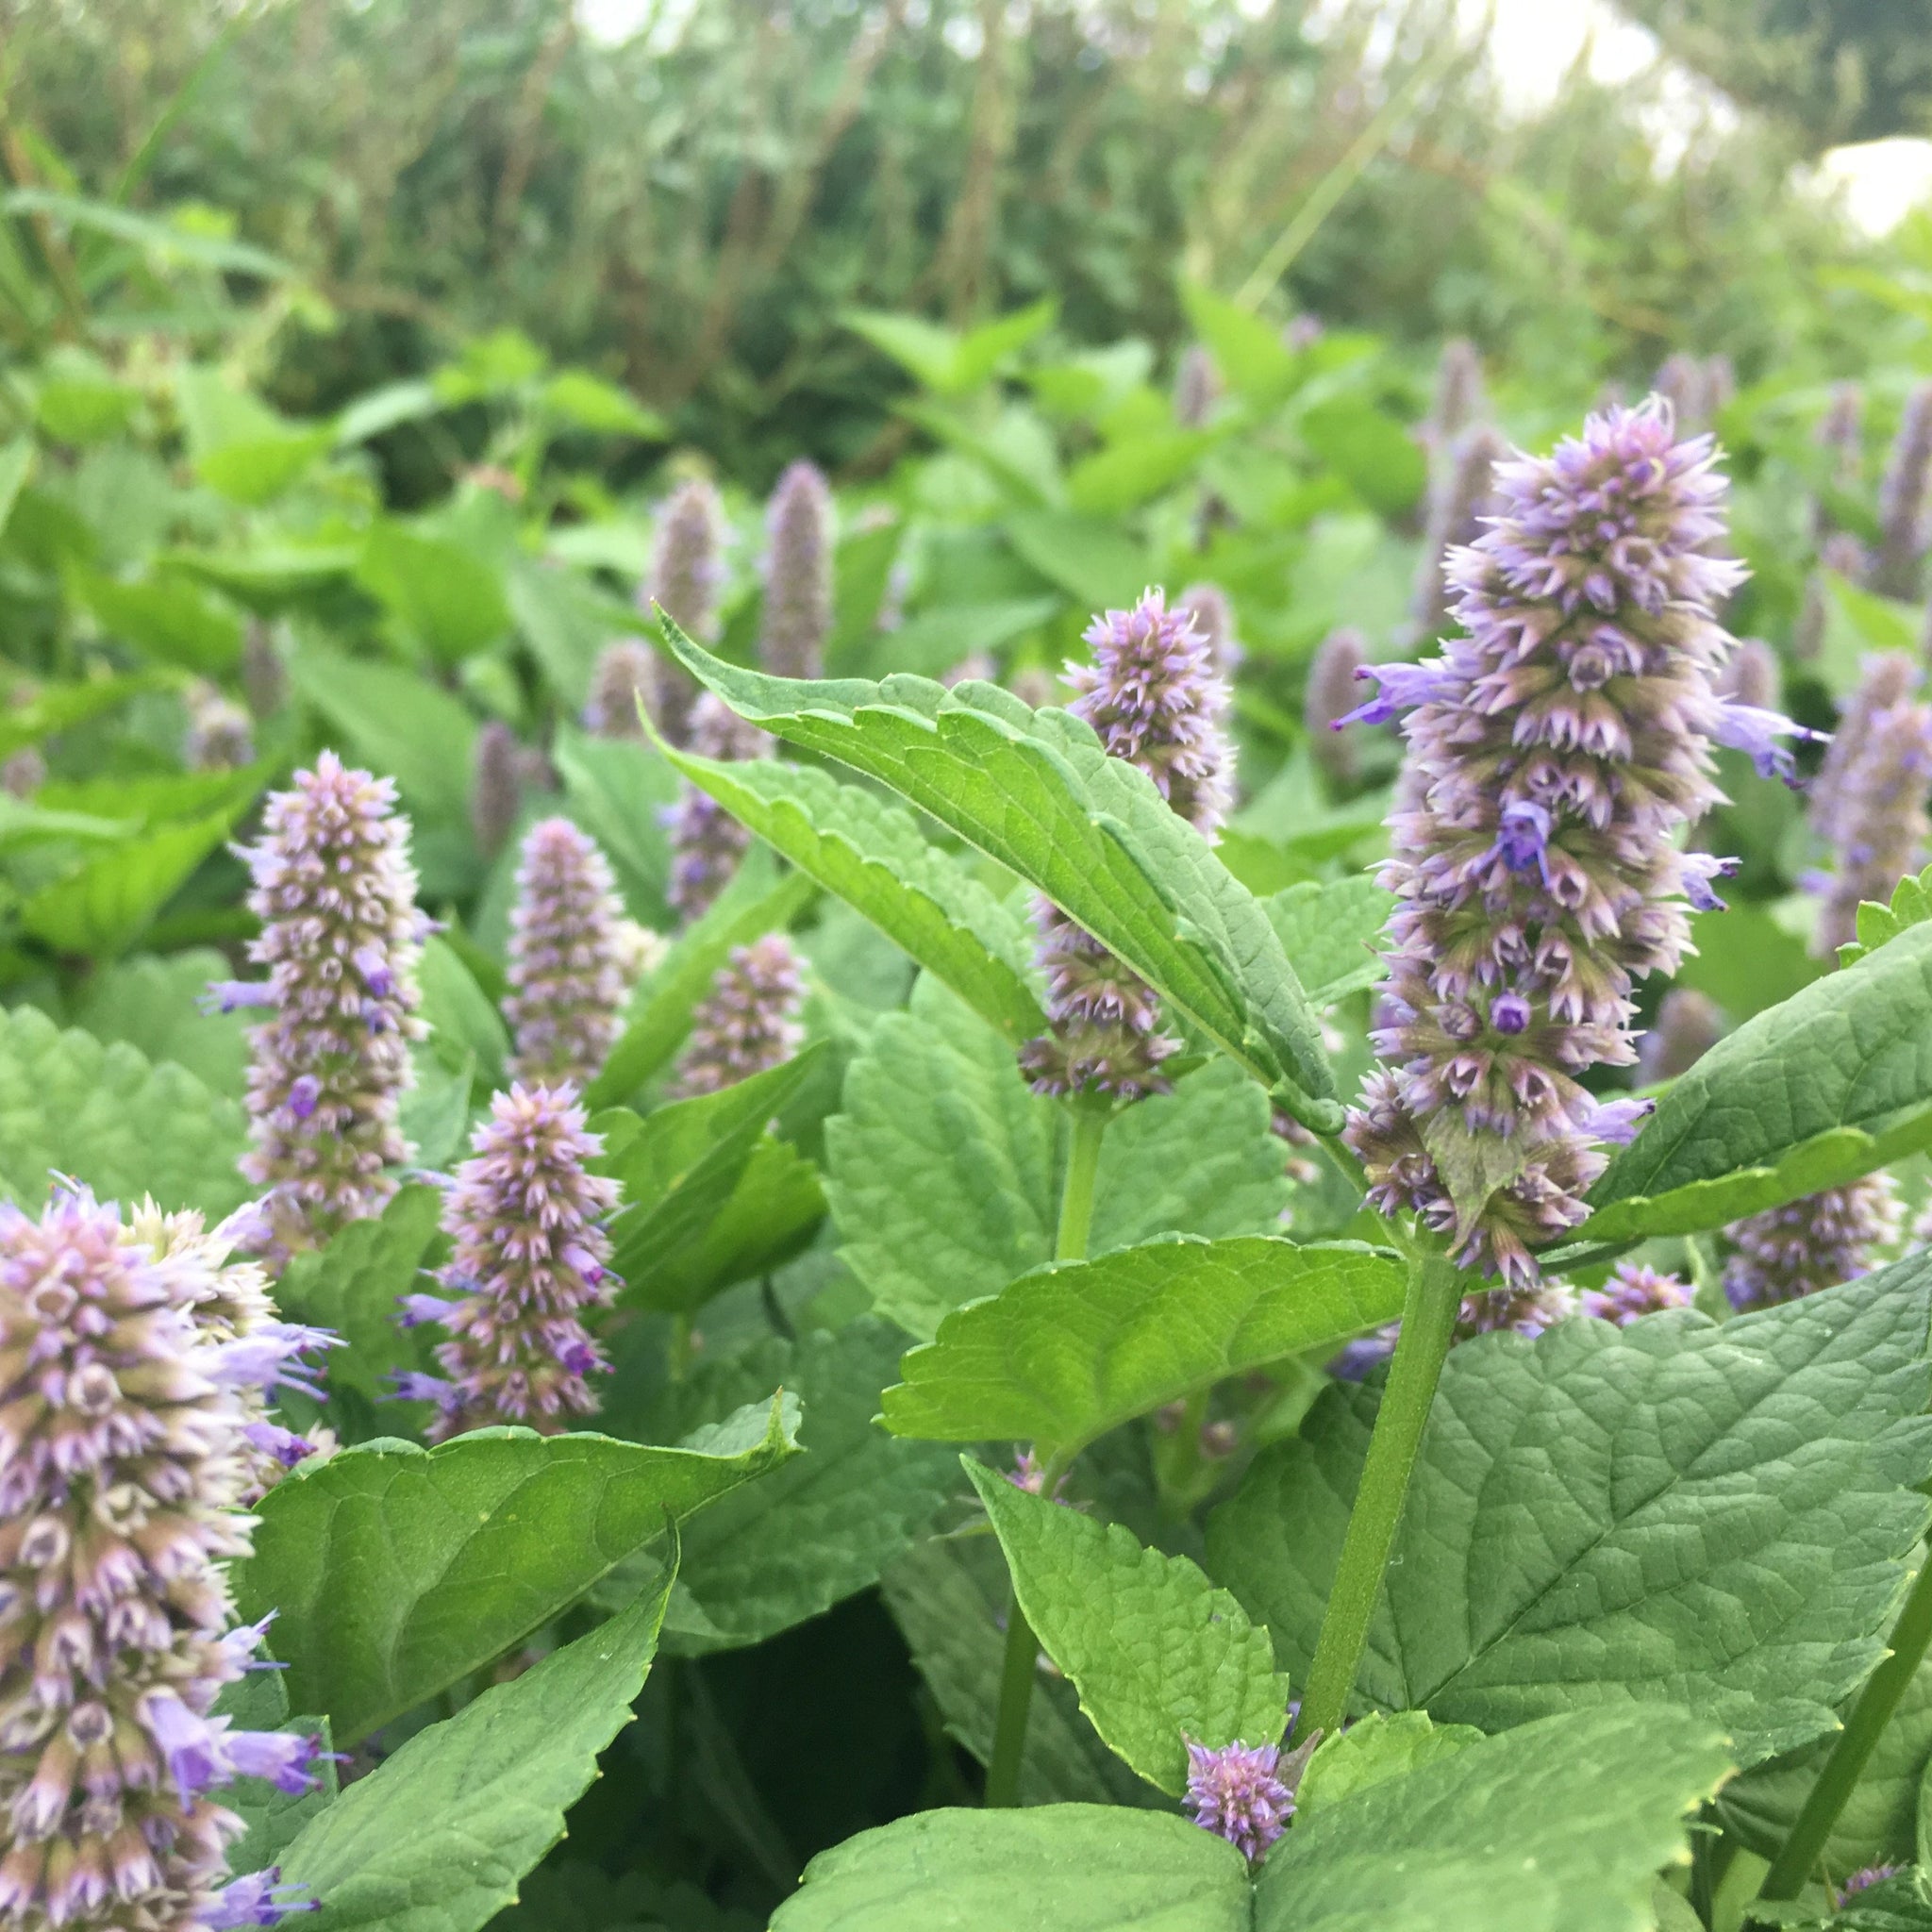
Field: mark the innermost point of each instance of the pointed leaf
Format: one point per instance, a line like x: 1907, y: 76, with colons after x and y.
x: 1376, y: 1747
x: 106, y: 905
x: 1077, y: 1348
x: 1037, y: 792
x: 1157, y: 1653
x: 397, y: 1571
x: 1329, y: 934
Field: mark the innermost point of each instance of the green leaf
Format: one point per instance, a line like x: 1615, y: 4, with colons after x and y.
x: 1810, y: 1094
x: 770, y: 1217
x: 397, y: 1571
x: 750, y: 906
x: 1718, y: 1517
x: 105, y: 1115
x: 950, y: 1597
x: 616, y: 788
x: 403, y: 725
x: 103, y: 907
x: 871, y: 853
x: 16, y: 461
x: 946, y: 363
x: 1746, y: 960
x: 167, y: 617
x: 1036, y: 792
x: 436, y: 1837
x: 588, y: 402
x: 932, y: 641
x: 813, y: 1533
x: 149, y: 1002
x: 1089, y: 557
x: 1121, y: 478
x: 1329, y: 934
x: 462, y: 1019
x: 259, y: 1702
x: 1077, y: 1348
x: 1157, y: 1653
x: 1248, y: 352
x: 448, y: 602
x: 1374, y: 1748
x: 1563, y: 1823
x: 1077, y: 1868
x: 1911, y: 904
x: 59, y: 706
x: 1376, y: 454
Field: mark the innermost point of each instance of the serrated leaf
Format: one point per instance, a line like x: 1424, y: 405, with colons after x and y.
x: 1077, y: 1348
x: 750, y: 906
x: 436, y: 1837
x: 1379, y: 1746
x: 1036, y: 792
x: 1157, y: 1653
x: 770, y: 1217
x: 112, y: 1120
x: 940, y: 1168
x: 1563, y: 1823
x: 808, y: 1535
x: 1075, y: 1868
x: 872, y: 853
x: 1911, y: 904
x: 1718, y: 1517
x: 1809, y: 1094
x: 1329, y: 933
x: 397, y: 1571
x: 149, y: 1002
x: 950, y: 1597
x: 103, y: 908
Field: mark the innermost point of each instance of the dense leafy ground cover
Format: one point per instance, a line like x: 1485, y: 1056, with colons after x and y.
x: 935, y: 1478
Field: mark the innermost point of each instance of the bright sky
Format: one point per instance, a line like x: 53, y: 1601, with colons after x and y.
x: 1532, y: 44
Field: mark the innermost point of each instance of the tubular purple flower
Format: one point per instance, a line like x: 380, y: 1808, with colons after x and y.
x: 496, y: 787
x: 798, y: 575
x: 1197, y: 386
x: 1329, y: 698
x: 1554, y: 753
x: 706, y: 842
x: 1863, y: 1880
x: 748, y: 1023
x: 1895, y: 568
x: 1462, y: 498
x: 686, y: 575
x: 123, y: 1469
x: 1688, y: 1025
x: 1882, y: 828
x: 340, y: 936
x: 1634, y: 1290
x: 1213, y: 616
x: 1235, y: 1793
x: 1806, y: 1245
x: 527, y: 1258
x: 1153, y: 696
x: 1519, y: 1311
x: 626, y: 669
x: 567, y: 978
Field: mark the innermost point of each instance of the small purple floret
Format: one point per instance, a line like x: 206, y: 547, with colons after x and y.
x: 1234, y: 1792
x: 259, y: 1899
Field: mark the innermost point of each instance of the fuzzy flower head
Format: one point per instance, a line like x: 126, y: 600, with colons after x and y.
x: 1902, y: 494
x: 1633, y: 1291
x: 1236, y: 1793
x: 1887, y: 679
x: 625, y: 673
x: 798, y: 573
x: 567, y: 953
x: 1330, y: 695
x: 1555, y: 752
x: 335, y: 892
x: 706, y: 842
x: 528, y: 1256
x: 749, y: 1020
x: 1155, y: 699
x: 122, y: 1462
x: 1208, y: 607
x: 1806, y: 1245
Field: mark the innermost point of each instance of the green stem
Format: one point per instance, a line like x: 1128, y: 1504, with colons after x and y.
x: 1428, y: 1322
x: 1076, y: 1192
x: 1856, y: 1743
x: 1016, y: 1698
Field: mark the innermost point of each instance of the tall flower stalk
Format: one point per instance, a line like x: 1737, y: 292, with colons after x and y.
x: 335, y: 892
x: 798, y: 573
x: 748, y: 1023
x: 1901, y: 492
x: 124, y: 1463
x: 687, y: 575
x: 1818, y: 1243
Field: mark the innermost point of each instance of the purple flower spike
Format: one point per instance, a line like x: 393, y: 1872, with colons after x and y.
x: 1555, y: 752
x: 523, y: 1219
x: 126, y: 1467
x: 340, y: 936
x: 1902, y: 494
x: 1634, y: 1290
x: 568, y: 981
x: 626, y: 671
x: 798, y: 573
x: 1462, y: 499
x: 1329, y: 698
x: 1235, y: 1793
x: 1153, y: 696
x: 748, y: 1023
x: 1863, y: 1880
x: 686, y: 575
x: 706, y: 842
x: 1806, y: 1245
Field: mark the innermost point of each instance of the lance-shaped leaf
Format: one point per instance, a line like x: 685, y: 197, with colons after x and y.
x: 1037, y: 792
x: 1157, y: 1653
x: 436, y: 1837
x: 397, y: 1571
x: 1077, y: 1348
x: 1812, y: 1093
x: 873, y: 854
x: 1719, y: 1517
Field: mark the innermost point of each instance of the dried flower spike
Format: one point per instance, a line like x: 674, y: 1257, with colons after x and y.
x: 1901, y: 492
x: 706, y: 842
x: 335, y: 892
x: 568, y: 981
x: 1153, y: 696
x: 798, y: 575
x: 1235, y: 1793
x: 527, y: 1258
x: 116, y: 1638
x: 1806, y: 1245
x: 748, y: 1023
x: 1554, y: 753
